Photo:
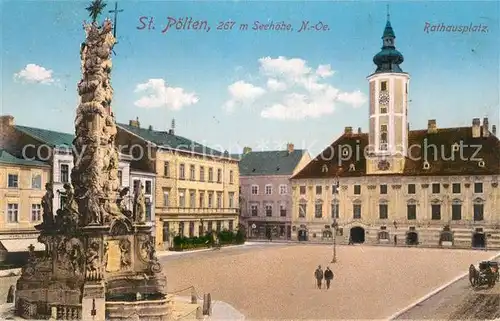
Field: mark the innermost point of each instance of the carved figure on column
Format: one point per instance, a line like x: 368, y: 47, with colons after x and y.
x: 125, y: 253
x: 47, y: 205
x: 120, y: 202
x: 139, y: 205
x: 92, y: 260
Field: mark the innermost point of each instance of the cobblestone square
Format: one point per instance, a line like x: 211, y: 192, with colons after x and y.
x: 276, y: 281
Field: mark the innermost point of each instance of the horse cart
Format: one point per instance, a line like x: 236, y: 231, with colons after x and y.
x: 487, y: 274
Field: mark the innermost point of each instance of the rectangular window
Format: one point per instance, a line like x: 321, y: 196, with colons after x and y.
x: 456, y: 212
x: 166, y: 192
x: 282, y: 210
x: 231, y: 180
x: 283, y: 189
x: 192, y: 175
x: 192, y: 199
x: 219, y: 176
x: 201, y: 198
x: 478, y: 188
x: 36, y: 181
x: 137, y: 183
x: 166, y: 231
x: 478, y: 212
x: 335, y: 189
x: 191, y: 229
x: 210, y: 226
x: 356, y: 211
x: 120, y: 177
x: 166, y: 169
x: 383, y: 211
x: 210, y: 199
x: 182, y: 171
x: 435, y: 211
x: 411, y: 189
x: 64, y: 173
x: 219, y: 226
x: 269, y: 210
x: 357, y: 189
x: 231, y: 226
x: 181, y: 228
x: 269, y: 189
x: 231, y: 199
x: 383, y: 189
x: 411, y: 211
x: 318, y: 210
x: 335, y: 210
x: 254, y: 209
x: 202, y: 174
x: 255, y: 189
x: 210, y: 174
x: 383, y: 85
x: 13, y: 181
x: 182, y: 198
x: 456, y: 188
x: 219, y: 200
x: 148, y: 188
x: 302, y: 210
x: 302, y: 190
x: 36, y: 212
x: 436, y: 188
x: 12, y: 213
x: 62, y: 201
x: 319, y: 190
x: 148, y: 210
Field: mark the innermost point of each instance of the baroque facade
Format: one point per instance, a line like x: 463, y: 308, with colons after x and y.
x: 433, y: 187
x: 197, y: 188
x: 266, y: 192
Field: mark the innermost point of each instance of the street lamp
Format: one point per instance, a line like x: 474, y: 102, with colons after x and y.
x: 335, y: 224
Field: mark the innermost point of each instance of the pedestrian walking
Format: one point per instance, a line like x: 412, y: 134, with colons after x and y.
x: 328, y: 277
x: 395, y: 240
x: 318, y: 274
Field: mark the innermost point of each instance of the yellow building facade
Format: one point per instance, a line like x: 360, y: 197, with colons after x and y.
x: 197, y: 188
x: 22, y: 186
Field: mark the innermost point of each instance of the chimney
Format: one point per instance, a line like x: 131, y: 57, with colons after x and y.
x: 476, y: 127
x: 348, y: 130
x: 359, y: 130
x: 150, y: 128
x: 172, y: 127
x: 7, y: 120
x: 135, y: 123
x: 246, y: 150
x: 486, y: 127
x: 289, y: 148
x: 431, y: 126
x: 494, y: 130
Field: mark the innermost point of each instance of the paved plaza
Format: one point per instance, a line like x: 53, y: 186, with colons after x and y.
x: 276, y: 281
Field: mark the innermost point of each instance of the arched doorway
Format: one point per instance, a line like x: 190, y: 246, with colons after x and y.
x: 412, y: 238
x: 357, y: 235
x: 479, y: 240
x: 302, y: 235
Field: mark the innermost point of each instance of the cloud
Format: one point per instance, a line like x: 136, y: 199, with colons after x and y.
x: 275, y: 85
x: 298, y: 91
x: 33, y: 73
x: 241, y: 93
x: 156, y: 94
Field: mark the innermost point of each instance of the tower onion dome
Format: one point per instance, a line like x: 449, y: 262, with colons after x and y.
x: 388, y: 59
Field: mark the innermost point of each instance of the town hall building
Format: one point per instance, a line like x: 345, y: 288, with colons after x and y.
x: 434, y: 186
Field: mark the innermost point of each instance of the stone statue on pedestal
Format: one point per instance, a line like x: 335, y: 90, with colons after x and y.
x: 139, y: 205
x: 47, y: 206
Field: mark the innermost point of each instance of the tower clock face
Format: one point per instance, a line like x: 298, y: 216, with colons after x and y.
x: 384, y: 165
x: 383, y: 98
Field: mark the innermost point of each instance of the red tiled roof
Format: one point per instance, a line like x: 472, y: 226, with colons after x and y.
x: 441, y: 162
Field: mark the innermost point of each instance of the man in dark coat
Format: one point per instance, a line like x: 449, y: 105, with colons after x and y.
x: 328, y: 277
x: 318, y: 274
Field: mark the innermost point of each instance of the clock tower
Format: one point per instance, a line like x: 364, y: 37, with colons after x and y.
x: 388, y: 132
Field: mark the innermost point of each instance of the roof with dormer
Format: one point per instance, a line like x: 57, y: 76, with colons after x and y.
x: 7, y: 158
x: 268, y: 163
x: 48, y: 137
x: 167, y: 140
x: 468, y: 152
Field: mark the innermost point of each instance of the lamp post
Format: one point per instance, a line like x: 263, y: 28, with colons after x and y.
x: 335, y: 223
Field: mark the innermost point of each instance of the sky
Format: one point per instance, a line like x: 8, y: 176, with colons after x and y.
x: 259, y: 88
